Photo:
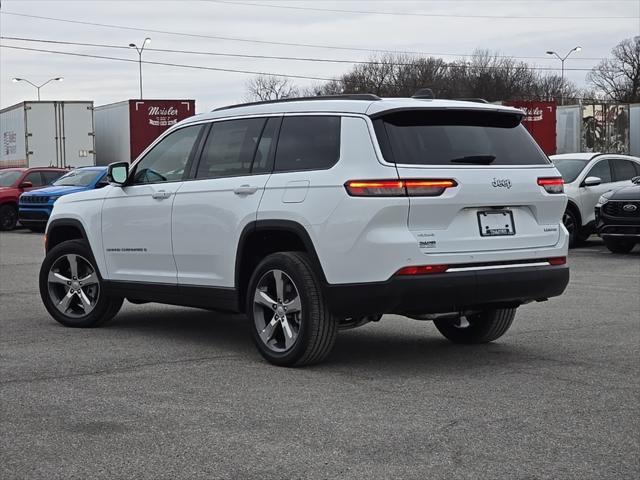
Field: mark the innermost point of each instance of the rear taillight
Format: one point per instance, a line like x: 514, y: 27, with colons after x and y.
x: 422, y: 269
x: 552, y: 184
x: 399, y: 188
x: 557, y: 260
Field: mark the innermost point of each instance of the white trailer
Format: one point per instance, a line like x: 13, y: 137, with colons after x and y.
x: 634, y: 129
x: 47, y: 133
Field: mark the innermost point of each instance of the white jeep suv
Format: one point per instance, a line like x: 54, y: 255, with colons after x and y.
x: 312, y: 215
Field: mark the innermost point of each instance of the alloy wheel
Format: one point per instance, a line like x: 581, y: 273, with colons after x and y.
x: 277, y: 310
x: 73, y: 285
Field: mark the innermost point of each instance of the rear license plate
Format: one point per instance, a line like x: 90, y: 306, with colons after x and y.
x: 495, y: 223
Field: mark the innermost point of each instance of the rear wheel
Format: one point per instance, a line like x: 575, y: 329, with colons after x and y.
x: 482, y: 327
x: 289, y: 319
x: 616, y: 245
x: 8, y: 217
x: 72, y: 289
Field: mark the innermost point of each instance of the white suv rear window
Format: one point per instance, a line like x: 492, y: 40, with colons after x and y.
x: 445, y: 137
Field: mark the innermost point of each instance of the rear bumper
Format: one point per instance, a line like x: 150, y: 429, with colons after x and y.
x: 449, y: 291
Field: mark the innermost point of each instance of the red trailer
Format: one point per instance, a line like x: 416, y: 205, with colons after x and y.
x: 540, y: 120
x: 125, y: 129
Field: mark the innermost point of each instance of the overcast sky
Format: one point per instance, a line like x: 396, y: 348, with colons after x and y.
x: 409, y: 29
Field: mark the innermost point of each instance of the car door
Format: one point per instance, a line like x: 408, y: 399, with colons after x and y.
x: 589, y: 195
x: 212, y: 209
x: 136, y: 218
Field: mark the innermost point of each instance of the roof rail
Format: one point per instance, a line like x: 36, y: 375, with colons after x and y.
x: 352, y: 96
x: 477, y: 100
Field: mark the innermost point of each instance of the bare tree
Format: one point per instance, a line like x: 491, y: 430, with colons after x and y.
x: 618, y: 77
x: 269, y: 87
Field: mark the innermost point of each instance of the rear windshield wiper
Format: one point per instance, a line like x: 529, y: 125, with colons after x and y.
x: 481, y: 159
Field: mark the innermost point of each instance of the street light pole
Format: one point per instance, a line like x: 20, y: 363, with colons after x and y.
x: 562, y: 60
x: 37, y: 87
x: 140, y: 50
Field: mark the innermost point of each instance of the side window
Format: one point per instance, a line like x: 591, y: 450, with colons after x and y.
x: 230, y: 148
x: 263, y: 160
x: 308, y: 143
x: 602, y: 170
x: 167, y: 160
x: 103, y: 182
x: 50, y: 177
x: 623, y: 170
x: 35, y: 178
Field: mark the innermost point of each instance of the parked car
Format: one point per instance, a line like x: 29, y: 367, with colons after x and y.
x: 313, y: 215
x: 618, y: 218
x: 15, y: 181
x: 35, y: 207
x: 587, y: 176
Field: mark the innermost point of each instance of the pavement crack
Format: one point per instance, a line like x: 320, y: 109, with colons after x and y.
x: 111, y: 371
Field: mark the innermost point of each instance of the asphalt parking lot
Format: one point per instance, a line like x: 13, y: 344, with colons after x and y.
x: 163, y: 392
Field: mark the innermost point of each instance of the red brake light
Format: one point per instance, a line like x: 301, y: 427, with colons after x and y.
x: 557, y: 261
x: 398, y: 188
x: 552, y: 184
x: 422, y: 269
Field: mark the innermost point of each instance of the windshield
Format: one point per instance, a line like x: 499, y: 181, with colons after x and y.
x: 78, y: 178
x: 8, y: 178
x: 441, y: 137
x: 570, y: 168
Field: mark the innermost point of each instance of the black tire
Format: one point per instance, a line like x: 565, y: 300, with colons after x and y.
x: 482, y: 327
x: 317, y: 328
x: 576, y: 234
x: 617, y: 245
x: 8, y: 217
x: 105, y: 307
x: 36, y: 229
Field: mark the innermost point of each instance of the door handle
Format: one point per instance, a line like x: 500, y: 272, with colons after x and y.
x: 160, y: 194
x: 245, y: 190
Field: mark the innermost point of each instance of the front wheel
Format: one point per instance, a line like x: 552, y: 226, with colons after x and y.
x: 577, y: 235
x: 482, y: 327
x: 616, y: 245
x: 8, y: 217
x: 71, y: 287
x: 288, y: 316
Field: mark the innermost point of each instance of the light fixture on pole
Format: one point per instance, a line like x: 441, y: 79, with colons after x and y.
x: 562, y: 60
x: 140, y: 50
x: 38, y: 87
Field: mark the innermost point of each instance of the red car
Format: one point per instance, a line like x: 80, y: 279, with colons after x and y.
x: 15, y: 181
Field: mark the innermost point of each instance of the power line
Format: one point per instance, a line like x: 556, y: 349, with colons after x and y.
x: 238, y: 55
x: 414, y: 14
x: 167, y: 64
x: 253, y: 72
x: 234, y: 39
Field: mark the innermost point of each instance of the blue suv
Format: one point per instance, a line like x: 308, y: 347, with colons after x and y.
x: 34, y: 207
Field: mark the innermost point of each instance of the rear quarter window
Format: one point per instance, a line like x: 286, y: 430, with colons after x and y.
x: 308, y: 143
x: 436, y: 137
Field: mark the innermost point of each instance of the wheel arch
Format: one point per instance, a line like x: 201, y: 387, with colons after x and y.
x: 61, y: 230
x: 573, y: 206
x: 264, y: 237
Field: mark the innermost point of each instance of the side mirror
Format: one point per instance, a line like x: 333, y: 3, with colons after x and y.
x: 592, y: 181
x: 117, y: 173
x: 636, y: 180
x: 26, y: 185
